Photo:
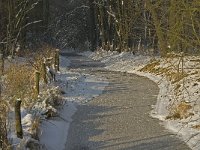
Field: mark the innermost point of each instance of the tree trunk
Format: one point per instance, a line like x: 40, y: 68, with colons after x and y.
x: 92, y: 25
x: 37, y: 83
x: 160, y: 34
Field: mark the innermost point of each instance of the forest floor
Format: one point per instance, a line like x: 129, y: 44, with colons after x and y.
x: 120, y: 117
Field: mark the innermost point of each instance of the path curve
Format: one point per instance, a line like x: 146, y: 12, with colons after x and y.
x: 119, y: 118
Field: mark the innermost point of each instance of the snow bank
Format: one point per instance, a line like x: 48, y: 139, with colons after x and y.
x: 188, y: 89
x: 54, y: 131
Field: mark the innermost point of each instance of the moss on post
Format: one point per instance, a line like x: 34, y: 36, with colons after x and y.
x: 18, y: 124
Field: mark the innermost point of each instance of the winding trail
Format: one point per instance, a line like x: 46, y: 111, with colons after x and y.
x: 119, y: 118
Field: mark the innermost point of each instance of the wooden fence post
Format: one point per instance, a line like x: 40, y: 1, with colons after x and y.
x: 18, y: 123
x: 1, y: 64
x: 1, y: 71
x: 0, y: 88
x: 44, y: 72
x: 37, y: 82
x: 57, y: 61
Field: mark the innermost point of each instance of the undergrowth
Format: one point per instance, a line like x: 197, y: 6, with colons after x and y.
x: 155, y: 68
x: 18, y: 84
x: 172, y: 69
x: 4, y: 108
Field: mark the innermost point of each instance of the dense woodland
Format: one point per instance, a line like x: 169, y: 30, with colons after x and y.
x: 142, y: 25
x: 20, y: 20
x: 164, y: 25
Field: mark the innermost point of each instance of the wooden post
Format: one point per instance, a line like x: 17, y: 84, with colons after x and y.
x: 1, y: 71
x: 0, y: 88
x: 37, y: 82
x: 18, y: 123
x: 1, y: 65
x: 57, y: 60
x: 44, y: 72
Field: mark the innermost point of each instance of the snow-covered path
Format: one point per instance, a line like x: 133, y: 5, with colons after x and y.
x: 119, y: 118
x: 78, y: 88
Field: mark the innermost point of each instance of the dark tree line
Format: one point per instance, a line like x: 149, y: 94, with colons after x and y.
x: 20, y: 20
x: 69, y: 23
x: 160, y: 26
x: 26, y: 23
x: 164, y: 25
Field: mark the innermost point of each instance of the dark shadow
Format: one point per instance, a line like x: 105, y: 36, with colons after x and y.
x: 86, y: 125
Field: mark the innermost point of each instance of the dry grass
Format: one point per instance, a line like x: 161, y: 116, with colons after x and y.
x: 177, y: 87
x: 38, y: 58
x: 196, y: 127
x: 180, y: 111
x: 172, y: 68
x: 3, y: 125
x: 155, y: 68
x: 175, y: 77
x: 34, y: 130
x: 151, y: 67
x: 19, y: 83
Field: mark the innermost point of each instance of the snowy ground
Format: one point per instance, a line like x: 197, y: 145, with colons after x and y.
x: 178, y: 103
